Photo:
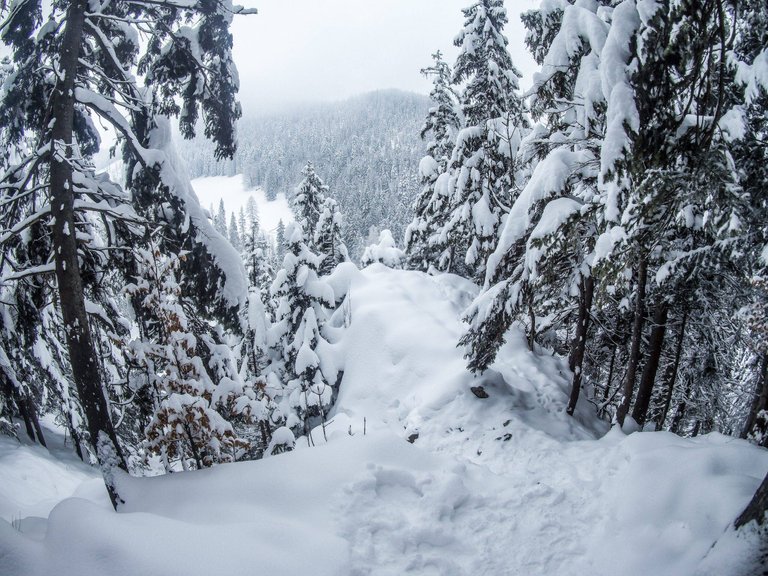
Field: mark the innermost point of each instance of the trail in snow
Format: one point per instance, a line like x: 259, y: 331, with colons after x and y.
x: 532, y: 491
x: 505, y: 485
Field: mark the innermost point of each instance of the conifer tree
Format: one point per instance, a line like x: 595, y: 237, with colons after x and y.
x: 308, y: 202
x: 93, y: 51
x: 234, y: 233
x: 302, y: 302
x: 482, y: 164
x: 328, y: 241
x: 220, y: 220
x: 431, y: 207
x: 185, y: 422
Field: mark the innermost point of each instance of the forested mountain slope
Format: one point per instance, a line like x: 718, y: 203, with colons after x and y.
x: 366, y: 149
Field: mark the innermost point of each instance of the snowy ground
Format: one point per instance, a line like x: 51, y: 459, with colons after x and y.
x: 502, y: 485
x: 232, y: 190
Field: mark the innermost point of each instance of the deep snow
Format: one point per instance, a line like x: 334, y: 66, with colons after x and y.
x: 233, y: 191
x: 502, y: 485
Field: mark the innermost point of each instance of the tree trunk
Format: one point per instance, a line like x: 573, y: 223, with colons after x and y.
x: 637, y: 335
x: 579, y: 344
x: 757, y: 507
x: 532, y: 318
x: 680, y: 412
x: 32, y: 411
x: 14, y: 396
x: 82, y: 355
x: 651, y: 367
x: 671, y: 373
x: 193, y: 447
x: 759, y: 400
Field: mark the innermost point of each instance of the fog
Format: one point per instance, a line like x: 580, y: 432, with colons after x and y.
x: 299, y: 51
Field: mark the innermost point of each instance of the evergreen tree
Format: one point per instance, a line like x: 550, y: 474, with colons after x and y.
x: 482, y: 164
x: 220, y: 220
x: 94, y: 50
x: 302, y: 302
x: 234, y: 233
x: 280, y: 244
x: 328, y: 241
x: 185, y: 422
x: 308, y: 201
x: 443, y: 121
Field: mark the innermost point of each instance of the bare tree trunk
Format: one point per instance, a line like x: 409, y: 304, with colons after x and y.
x: 193, y: 446
x: 579, y: 344
x: 651, y: 367
x: 760, y: 398
x: 13, y: 394
x: 756, y: 508
x: 32, y: 411
x: 82, y: 355
x: 637, y: 335
x: 671, y: 374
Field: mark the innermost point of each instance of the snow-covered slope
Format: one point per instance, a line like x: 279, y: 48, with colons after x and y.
x: 506, y: 484
x: 233, y: 191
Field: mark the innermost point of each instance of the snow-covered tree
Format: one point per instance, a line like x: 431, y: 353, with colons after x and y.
x: 234, y: 233
x: 220, y: 220
x: 184, y: 423
x: 483, y: 169
x: 307, y: 204
x: 302, y: 301
x: 431, y: 208
x: 385, y: 251
x: 328, y: 241
x: 76, y: 60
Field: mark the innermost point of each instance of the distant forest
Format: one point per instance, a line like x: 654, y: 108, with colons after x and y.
x: 366, y: 149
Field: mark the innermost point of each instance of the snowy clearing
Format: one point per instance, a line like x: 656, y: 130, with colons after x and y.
x: 232, y: 190
x: 506, y: 484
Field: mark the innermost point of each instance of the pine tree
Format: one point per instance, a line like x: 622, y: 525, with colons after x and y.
x: 280, y: 244
x: 483, y: 160
x: 308, y: 201
x: 328, y: 241
x: 220, y: 220
x: 184, y: 423
x: 302, y: 302
x: 234, y: 233
x: 443, y: 121
x: 93, y: 49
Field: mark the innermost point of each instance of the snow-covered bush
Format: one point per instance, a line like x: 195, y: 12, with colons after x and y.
x: 385, y: 252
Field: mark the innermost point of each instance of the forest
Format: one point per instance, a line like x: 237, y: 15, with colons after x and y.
x: 509, y: 331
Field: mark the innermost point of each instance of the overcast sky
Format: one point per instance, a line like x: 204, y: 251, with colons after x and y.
x: 308, y: 50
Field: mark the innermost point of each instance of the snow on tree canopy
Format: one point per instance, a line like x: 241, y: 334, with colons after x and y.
x: 385, y: 252
x: 174, y: 175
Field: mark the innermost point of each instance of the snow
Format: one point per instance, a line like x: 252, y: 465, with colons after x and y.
x: 385, y: 252
x: 507, y: 484
x: 234, y: 193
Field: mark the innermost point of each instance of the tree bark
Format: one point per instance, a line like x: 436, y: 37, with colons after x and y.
x: 651, y: 367
x: 579, y: 344
x: 82, y: 354
x: 637, y: 335
x: 671, y: 373
x: 756, y: 508
x: 759, y: 400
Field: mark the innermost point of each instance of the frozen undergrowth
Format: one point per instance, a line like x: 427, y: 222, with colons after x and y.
x: 501, y: 485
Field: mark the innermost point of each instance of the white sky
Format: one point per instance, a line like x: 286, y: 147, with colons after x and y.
x: 297, y: 51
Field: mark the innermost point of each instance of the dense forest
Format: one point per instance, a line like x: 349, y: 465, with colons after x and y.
x: 367, y: 150
x: 584, y: 261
